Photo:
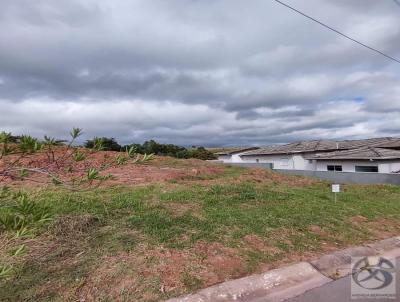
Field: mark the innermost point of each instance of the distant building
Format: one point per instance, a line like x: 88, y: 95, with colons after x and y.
x: 366, y: 159
x: 376, y: 155
x: 231, y: 155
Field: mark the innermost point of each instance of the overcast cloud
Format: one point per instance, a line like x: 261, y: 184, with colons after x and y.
x: 199, y: 72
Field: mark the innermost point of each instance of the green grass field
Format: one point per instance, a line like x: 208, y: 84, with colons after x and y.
x: 151, y: 242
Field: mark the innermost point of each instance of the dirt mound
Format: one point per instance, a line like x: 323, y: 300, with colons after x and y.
x: 158, y: 170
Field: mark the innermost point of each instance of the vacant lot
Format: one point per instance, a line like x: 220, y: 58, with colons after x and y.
x: 173, y: 226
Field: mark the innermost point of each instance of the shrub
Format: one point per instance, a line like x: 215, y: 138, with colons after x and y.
x: 103, y: 143
x: 152, y: 147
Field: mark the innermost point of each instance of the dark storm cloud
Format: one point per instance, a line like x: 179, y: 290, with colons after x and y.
x: 198, y: 72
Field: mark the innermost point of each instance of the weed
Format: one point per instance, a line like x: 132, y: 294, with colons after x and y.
x: 23, y: 213
x: 190, y: 281
x: 5, y: 271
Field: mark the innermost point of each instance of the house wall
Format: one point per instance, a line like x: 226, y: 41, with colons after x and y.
x: 349, y: 166
x: 278, y: 161
x: 298, y: 161
x: 225, y: 158
x: 282, y: 161
x: 390, y: 167
x: 233, y: 158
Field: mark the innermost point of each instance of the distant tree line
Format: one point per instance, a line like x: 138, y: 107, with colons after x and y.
x: 148, y: 147
x: 153, y: 147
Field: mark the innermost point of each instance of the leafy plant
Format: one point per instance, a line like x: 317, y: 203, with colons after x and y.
x: 147, y: 157
x: 59, y: 168
x: 24, y: 213
x: 75, y: 133
x: 5, y: 271
x: 93, y: 174
x: 78, y: 156
x: 49, y: 143
x: 132, y: 154
x: 20, y: 250
x: 4, y: 192
x: 131, y: 151
x: 5, y: 139
x: 29, y: 144
x: 121, y: 159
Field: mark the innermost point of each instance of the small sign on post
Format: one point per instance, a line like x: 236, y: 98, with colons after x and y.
x: 335, y: 190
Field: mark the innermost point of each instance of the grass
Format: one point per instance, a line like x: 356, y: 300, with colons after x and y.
x: 156, y: 241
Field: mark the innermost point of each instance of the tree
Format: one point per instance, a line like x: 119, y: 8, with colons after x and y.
x: 107, y: 144
x: 152, y: 146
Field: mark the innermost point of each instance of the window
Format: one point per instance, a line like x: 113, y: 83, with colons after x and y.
x: 370, y: 169
x: 335, y: 168
x: 284, y: 161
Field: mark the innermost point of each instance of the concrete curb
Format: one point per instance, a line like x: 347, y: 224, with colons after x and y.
x: 291, y: 281
x: 338, y: 264
x: 274, y: 285
x: 388, y: 248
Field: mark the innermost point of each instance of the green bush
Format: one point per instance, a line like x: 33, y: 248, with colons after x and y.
x: 103, y: 143
x: 152, y: 147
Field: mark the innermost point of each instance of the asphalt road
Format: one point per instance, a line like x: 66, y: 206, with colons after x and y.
x: 340, y: 291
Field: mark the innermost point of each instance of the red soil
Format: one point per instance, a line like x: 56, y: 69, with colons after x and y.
x: 158, y: 170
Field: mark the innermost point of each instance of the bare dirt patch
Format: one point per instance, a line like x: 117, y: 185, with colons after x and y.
x: 257, y: 243
x: 380, y: 228
x: 315, y: 229
x: 152, y: 273
x: 358, y: 219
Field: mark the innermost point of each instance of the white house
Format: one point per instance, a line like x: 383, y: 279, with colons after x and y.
x: 232, y: 155
x: 366, y: 159
x: 291, y: 156
x: 326, y: 155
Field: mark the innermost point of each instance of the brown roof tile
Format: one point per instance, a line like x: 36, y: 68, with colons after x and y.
x: 235, y: 150
x: 325, y: 145
x: 369, y: 153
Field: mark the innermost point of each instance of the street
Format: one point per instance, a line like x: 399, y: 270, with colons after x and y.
x: 339, y: 291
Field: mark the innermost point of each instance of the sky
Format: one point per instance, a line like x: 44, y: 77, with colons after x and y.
x: 199, y: 72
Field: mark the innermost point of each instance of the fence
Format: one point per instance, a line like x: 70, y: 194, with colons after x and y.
x: 252, y: 165
x: 337, y: 177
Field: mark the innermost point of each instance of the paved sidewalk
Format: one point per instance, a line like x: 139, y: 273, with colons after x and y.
x: 339, y: 291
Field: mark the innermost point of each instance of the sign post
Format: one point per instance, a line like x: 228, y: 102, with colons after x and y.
x: 335, y: 190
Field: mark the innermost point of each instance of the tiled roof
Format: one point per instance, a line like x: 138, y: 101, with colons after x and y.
x: 305, y: 146
x: 230, y: 151
x: 325, y: 145
x: 393, y: 143
x: 369, y: 153
x: 371, y: 142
